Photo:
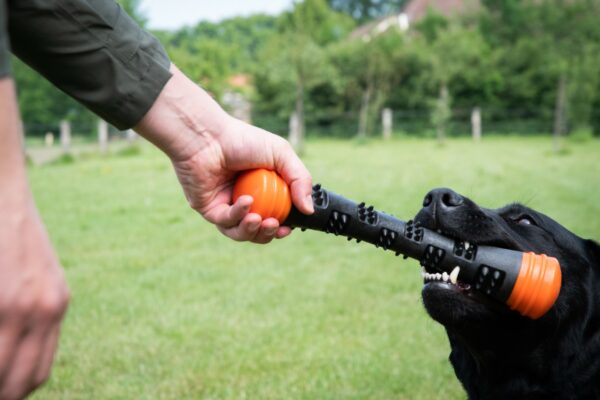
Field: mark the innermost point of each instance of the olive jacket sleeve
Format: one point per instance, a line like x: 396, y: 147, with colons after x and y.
x: 93, y: 51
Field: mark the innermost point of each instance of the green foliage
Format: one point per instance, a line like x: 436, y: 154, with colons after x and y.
x: 42, y: 105
x: 369, y: 72
x: 314, y: 19
x: 205, y: 62
x: 295, y: 62
x: 541, y: 42
x: 64, y: 159
x: 239, y: 38
x: 508, y: 60
x: 582, y: 134
x: 129, y: 151
x: 441, y: 112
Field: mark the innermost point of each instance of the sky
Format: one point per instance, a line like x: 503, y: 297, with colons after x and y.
x: 173, y: 14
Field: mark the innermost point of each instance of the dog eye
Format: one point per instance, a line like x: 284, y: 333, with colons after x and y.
x: 525, y: 220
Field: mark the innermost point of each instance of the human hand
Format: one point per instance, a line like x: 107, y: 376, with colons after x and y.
x: 209, y: 148
x: 33, y: 300
x: 207, y: 178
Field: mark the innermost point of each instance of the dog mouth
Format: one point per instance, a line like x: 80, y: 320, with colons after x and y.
x: 449, y: 280
x: 435, y: 281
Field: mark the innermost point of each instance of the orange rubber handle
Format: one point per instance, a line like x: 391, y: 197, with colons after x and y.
x: 270, y: 193
x: 537, y: 286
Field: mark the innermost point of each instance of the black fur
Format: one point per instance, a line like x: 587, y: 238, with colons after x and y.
x: 496, y: 353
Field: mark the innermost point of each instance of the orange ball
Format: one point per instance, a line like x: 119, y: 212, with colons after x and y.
x: 270, y: 192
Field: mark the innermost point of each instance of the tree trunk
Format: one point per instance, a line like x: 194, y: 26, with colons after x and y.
x: 443, y: 113
x: 103, y: 136
x: 363, y: 120
x: 476, y: 124
x: 387, y: 122
x: 65, y: 135
x: 560, y: 112
x: 297, y: 135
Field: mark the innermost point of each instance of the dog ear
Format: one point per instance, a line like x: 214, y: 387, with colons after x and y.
x: 593, y: 251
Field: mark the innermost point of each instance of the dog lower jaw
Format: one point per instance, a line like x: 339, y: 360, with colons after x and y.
x: 458, y: 304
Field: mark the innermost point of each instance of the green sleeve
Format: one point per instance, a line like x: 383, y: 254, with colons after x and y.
x: 93, y: 51
x: 4, y: 48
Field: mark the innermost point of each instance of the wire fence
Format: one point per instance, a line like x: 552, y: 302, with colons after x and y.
x: 415, y: 123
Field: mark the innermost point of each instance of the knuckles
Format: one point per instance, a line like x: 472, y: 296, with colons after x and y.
x: 47, y: 304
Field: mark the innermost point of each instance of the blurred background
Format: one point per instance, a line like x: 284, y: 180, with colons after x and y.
x: 385, y: 100
x: 342, y: 68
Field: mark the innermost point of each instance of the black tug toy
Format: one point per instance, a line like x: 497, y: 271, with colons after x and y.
x: 526, y: 282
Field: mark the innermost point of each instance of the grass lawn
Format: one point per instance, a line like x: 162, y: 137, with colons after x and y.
x: 165, y: 307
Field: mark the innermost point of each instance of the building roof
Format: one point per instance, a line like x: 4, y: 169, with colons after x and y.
x: 412, y: 12
x: 417, y: 9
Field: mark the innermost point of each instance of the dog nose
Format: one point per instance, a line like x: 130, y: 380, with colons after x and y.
x: 443, y: 198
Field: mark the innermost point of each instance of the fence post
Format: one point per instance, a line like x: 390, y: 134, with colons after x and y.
x: 65, y: 135
x: 103, y: 136
x: 386, y: 116
x: 295, y: 134
x: 476, y: 124
x: 49, y: 139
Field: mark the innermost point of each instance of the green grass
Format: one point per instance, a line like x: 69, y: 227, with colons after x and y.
x: 165, y: 307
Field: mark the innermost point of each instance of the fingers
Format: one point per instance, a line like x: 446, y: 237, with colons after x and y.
x: 30, y: 358
x: 47, y: 356
x: 8, y: 344
x: 267, y: 231
x: 282, y: 232
x: 228, y: 216
x: 293, y: 171
x: 254, y: 229
x: 20, y: 381
x: 235, y: 222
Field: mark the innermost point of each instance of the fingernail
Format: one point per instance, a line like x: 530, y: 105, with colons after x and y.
x: 254, y: 226
x: 308, y: 203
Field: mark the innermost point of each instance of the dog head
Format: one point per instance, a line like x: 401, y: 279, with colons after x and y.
x: 485, y: 325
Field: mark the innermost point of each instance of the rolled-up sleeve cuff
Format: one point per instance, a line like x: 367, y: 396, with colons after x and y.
x: 141, y: 89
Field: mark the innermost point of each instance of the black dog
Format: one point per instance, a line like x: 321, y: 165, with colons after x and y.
x: 495, y: 352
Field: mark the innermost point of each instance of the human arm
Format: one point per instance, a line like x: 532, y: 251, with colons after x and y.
x: 33, y: 291
x: 94, y: 52
x: 208, y: 147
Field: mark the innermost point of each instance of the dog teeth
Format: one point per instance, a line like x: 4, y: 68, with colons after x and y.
x: 454, y: 275
x: 445, y: 277
x: 467, y: 245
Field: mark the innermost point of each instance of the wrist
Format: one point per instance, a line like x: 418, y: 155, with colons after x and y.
x: 15, y: 197
x: 184, y: 119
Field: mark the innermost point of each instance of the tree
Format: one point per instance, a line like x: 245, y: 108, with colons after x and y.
x: 565, y: 35
x: 295, y: 61
x: 458, y: 56
x: 241, y: 38
x: 42, y: 105
x: 204, y: 61
x: 370, y: 71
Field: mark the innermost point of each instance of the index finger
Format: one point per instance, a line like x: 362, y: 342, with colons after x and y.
x: 293, y: 171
